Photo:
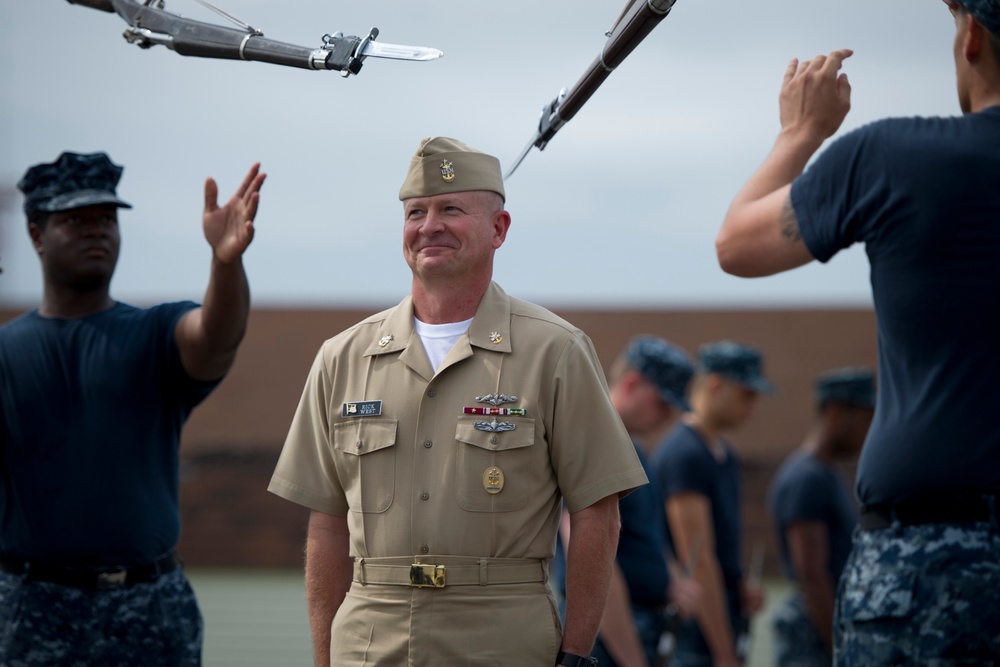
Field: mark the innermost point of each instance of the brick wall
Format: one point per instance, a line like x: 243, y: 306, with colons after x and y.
x: 232, y: 441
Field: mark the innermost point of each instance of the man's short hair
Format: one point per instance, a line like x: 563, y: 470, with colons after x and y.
x: 987, y: 12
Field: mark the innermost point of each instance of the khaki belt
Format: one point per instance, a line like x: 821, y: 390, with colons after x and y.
x: 439, y: 572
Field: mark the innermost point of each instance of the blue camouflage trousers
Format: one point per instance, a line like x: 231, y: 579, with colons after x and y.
x: 925, y: 595
x: 155, y: 624
x: 796, y: 642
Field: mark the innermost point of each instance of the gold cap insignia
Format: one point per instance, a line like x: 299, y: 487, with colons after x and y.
x: 385, y: 340
x: 496, y: 337
x: 447, y: 171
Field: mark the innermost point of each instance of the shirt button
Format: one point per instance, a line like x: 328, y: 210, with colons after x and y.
x: 359, y: 445
x: 424, y: 548
x: 425, y: 495
x: 431, y: 393
x: 494, y: 440
x: 428, y: 444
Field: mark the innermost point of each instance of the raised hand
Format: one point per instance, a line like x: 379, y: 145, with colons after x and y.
x: 229, y: 229
x: 815, y: 97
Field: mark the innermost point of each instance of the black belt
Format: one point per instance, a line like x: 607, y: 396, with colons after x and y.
x: 91, y: 577
x: 959, y: 509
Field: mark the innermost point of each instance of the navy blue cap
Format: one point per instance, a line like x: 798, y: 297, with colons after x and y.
x: 665, y: 365
x: 74, y: 180
x: 735, y: 361
x: 853, y: 386
x: 986, y: 12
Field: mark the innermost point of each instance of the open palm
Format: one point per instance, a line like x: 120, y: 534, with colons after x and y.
x: 229, y: 229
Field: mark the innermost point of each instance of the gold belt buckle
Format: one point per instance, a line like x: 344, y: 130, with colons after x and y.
x: 426, y: 575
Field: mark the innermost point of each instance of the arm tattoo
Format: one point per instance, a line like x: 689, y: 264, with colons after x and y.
x: 789, y: 223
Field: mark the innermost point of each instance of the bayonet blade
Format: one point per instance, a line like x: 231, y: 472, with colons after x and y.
x: 371, y: 48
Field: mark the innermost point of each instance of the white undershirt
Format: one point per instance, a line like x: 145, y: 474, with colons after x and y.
x: 438, y: 339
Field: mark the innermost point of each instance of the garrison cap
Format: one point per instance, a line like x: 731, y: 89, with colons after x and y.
x: 442, y: 165
x: 665, y: 365
x: 986, y: 12
x: 735, y: 361
x: 74, y: 180
x: 853, y: 386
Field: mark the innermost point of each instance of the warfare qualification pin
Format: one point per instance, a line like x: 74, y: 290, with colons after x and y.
x: 494, y: 426
x: 447, y: 171
x: 493, y: 480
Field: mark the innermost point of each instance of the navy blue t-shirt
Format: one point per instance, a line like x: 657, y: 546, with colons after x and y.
x: 684, y: 463
x: 92, y: 410
x: 923, y: 195
x: 643, y: 541
x: 805, y: 489
x: 641, y: 545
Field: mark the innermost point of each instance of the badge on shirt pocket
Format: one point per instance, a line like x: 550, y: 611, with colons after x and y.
x: 493, y: 468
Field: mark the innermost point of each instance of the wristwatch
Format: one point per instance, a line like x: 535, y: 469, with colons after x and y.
x: 574, y: 660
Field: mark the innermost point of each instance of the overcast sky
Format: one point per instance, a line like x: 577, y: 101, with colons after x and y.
x: 621, y: 209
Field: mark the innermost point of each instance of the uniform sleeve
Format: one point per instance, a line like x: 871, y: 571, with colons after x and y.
x: 844, y: 194
x: 306, y: 473
x: 805, y: 497
x: 190, y: 391
x: 592, y: 453
x: 681, y: 468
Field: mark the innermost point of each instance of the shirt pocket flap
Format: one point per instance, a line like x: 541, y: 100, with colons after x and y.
x: 364, y: 435
x: 496, y: 439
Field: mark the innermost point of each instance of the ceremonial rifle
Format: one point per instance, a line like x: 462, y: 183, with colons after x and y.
x: 636, y: 21
x: 149, y: 24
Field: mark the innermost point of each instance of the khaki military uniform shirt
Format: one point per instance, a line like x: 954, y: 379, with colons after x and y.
x: 398, y: 449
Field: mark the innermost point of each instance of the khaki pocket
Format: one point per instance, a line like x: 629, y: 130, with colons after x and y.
x: 366, y: 462
x: 487, y: 460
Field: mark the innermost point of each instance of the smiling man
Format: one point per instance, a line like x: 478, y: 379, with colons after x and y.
x: 93, y: 396
x: 435, y: 443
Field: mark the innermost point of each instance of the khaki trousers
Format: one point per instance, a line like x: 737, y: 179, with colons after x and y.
x: 456, y: 626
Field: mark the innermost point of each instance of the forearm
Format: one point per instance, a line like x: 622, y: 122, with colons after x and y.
x: 208, y: 337
x: 329, y: 571
x: 808, y: 548
x: 818, y: 593
x: 713, y: 615
x: 618, y: 630
x: 226, y: 306
x: 589, y: 559
x: 760, y: 233
x: 787, y: 160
